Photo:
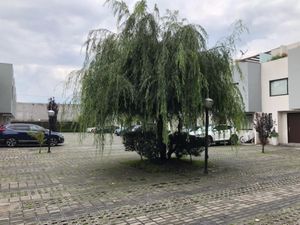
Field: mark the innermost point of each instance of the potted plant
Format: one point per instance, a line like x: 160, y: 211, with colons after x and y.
x: 273, y: 137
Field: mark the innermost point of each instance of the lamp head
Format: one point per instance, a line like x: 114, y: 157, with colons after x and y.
x: 51, y: 113
x: 208, y: 103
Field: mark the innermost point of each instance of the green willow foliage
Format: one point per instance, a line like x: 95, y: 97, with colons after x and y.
x: 155, y: 68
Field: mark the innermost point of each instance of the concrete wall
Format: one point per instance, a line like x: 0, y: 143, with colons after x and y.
x: 249, y: 83
x: 254, y: 87
x: 294, y: 77
x: 240, y: 77
x: 284, y: 49
x: 282, y: 128
x: 7, y: 92
x: 30, y: 112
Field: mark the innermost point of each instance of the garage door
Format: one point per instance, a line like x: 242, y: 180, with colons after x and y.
x: 294, y: 127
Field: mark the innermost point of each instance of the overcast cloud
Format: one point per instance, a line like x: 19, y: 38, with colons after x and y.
x: 43, y: 39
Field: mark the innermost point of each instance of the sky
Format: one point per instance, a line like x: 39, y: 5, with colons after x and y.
x: 44, y: 40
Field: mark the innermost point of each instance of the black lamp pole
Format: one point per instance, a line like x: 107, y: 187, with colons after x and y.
x: 49, y: 133
x: 50, y: 115
x: 206, y: 141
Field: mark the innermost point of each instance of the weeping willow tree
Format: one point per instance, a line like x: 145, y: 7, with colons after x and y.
x: 155, y: 69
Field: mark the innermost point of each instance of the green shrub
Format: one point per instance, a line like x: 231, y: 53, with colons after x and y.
x: 145, y: 143
x: 142, y: 142
x: 278, y: 56
x: 273, y: 133
x: 184, y: 144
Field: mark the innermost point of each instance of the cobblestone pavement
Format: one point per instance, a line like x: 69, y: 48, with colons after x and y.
x: 77, y: 184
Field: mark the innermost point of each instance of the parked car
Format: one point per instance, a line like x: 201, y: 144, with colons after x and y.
x: 121, y: 131
x: 107, y: 129
x: 217, y: 134
x: 91, y: 130
x: 19, y: 133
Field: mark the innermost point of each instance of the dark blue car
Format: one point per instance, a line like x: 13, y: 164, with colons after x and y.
x: 20, y: 133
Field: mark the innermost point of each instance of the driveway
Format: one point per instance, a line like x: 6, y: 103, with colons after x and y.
x: 77, y: 184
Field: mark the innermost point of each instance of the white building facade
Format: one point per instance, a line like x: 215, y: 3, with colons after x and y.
x: 270, y: 83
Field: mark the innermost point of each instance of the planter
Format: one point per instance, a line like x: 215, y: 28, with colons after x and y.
x: 273, y: 141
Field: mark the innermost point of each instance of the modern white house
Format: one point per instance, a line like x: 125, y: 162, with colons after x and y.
x: 269, y: 82
x: 7, y: 93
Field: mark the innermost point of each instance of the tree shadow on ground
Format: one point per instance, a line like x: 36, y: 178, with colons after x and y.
x: 134, y: 171
x: 170, y: 166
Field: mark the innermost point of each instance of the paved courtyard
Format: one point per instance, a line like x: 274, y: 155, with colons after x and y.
x: 77, y: 184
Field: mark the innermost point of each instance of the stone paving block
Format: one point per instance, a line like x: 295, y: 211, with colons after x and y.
x: 75, y: 184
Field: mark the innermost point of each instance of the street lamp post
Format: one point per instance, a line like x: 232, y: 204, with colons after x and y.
x: 208, y: 105
x: 51, y: 114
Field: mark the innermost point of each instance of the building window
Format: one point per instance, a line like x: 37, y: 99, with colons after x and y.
x: 279, y: 87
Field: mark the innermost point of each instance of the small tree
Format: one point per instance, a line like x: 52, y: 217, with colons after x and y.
x: 40, y: 137
x: 263, y: 125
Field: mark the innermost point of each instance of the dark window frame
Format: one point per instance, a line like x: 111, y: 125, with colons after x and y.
x: 287, y: 87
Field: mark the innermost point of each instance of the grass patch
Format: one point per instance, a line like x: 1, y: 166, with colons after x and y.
x: 170, y: 166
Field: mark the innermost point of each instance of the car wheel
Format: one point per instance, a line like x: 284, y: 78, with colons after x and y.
x: 53, y: 142
x: 242, y: 139
x: 11, y: 142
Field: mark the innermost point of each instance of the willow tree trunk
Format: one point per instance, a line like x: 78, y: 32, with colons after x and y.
x: 173, y: 144
x: 179, y: 127
x: 161, y: 145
